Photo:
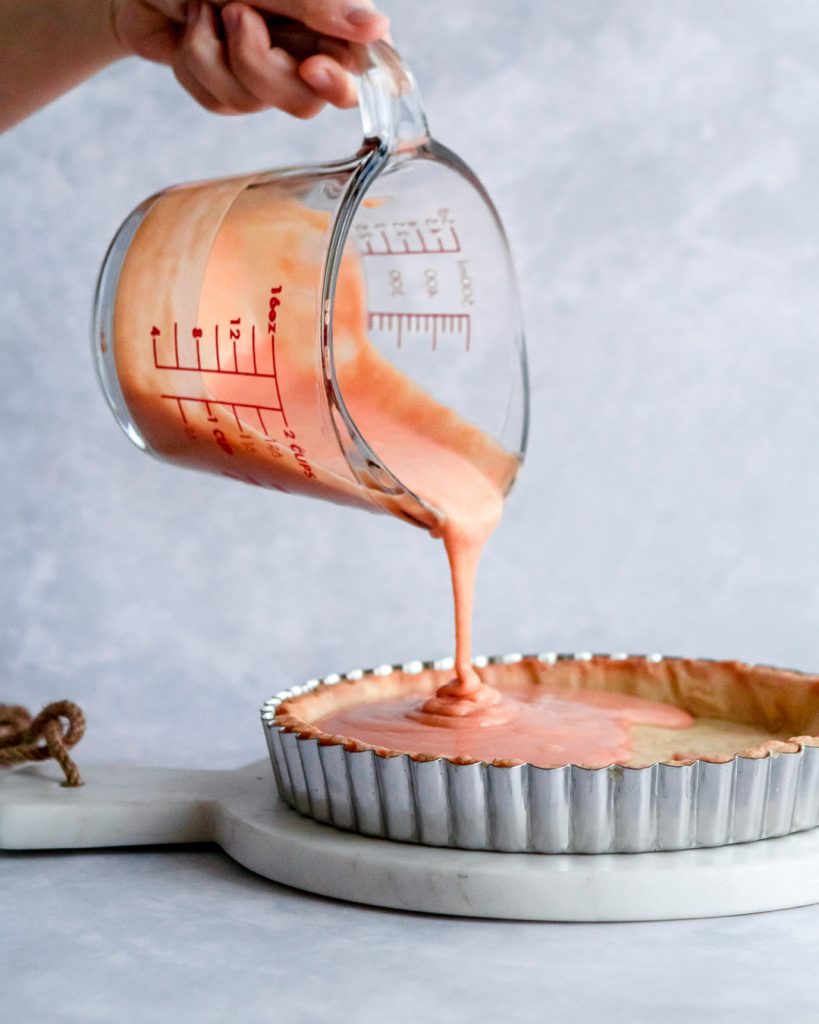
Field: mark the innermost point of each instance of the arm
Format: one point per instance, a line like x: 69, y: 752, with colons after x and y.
x: 226, y: 55
x: 48, y: 47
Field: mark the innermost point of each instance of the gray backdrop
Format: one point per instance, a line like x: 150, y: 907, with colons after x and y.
x: 655, y: 165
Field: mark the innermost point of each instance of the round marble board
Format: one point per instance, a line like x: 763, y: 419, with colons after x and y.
x: 240, y: 810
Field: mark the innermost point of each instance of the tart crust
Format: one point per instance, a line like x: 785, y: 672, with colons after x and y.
x: 779, y: 702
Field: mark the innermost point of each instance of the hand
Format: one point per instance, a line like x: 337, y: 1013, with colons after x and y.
x: 234, y: 58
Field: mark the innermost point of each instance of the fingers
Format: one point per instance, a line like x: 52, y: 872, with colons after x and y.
x: 231, y: 68
x: 329, y: 81
x: 201, y: 67
x: 355, y: 20
x: 268, y: 74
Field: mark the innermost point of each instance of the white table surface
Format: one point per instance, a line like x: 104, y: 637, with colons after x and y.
x: 185, y: 934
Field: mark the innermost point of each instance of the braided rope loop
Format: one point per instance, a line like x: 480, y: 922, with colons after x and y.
x: 57, y: 728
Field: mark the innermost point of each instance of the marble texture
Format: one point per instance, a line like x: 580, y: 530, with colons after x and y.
x: 240, y: 810
x: 655, y: 168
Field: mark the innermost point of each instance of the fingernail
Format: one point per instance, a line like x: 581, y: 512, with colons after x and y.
x: 358, y: 15
x: 192, y: 11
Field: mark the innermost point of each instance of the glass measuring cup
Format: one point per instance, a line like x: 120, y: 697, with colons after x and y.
x: 320, y: 330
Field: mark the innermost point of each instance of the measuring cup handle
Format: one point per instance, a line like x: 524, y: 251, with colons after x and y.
x: 388, y: 98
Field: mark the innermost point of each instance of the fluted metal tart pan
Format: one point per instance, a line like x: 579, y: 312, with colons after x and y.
x: 524, y: 808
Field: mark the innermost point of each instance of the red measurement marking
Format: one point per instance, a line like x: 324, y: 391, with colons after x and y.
x: 425, y: 325
x: 389, y: 241
x: 260, y: 361
x: 276, y: 379
x: 211, y: 404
